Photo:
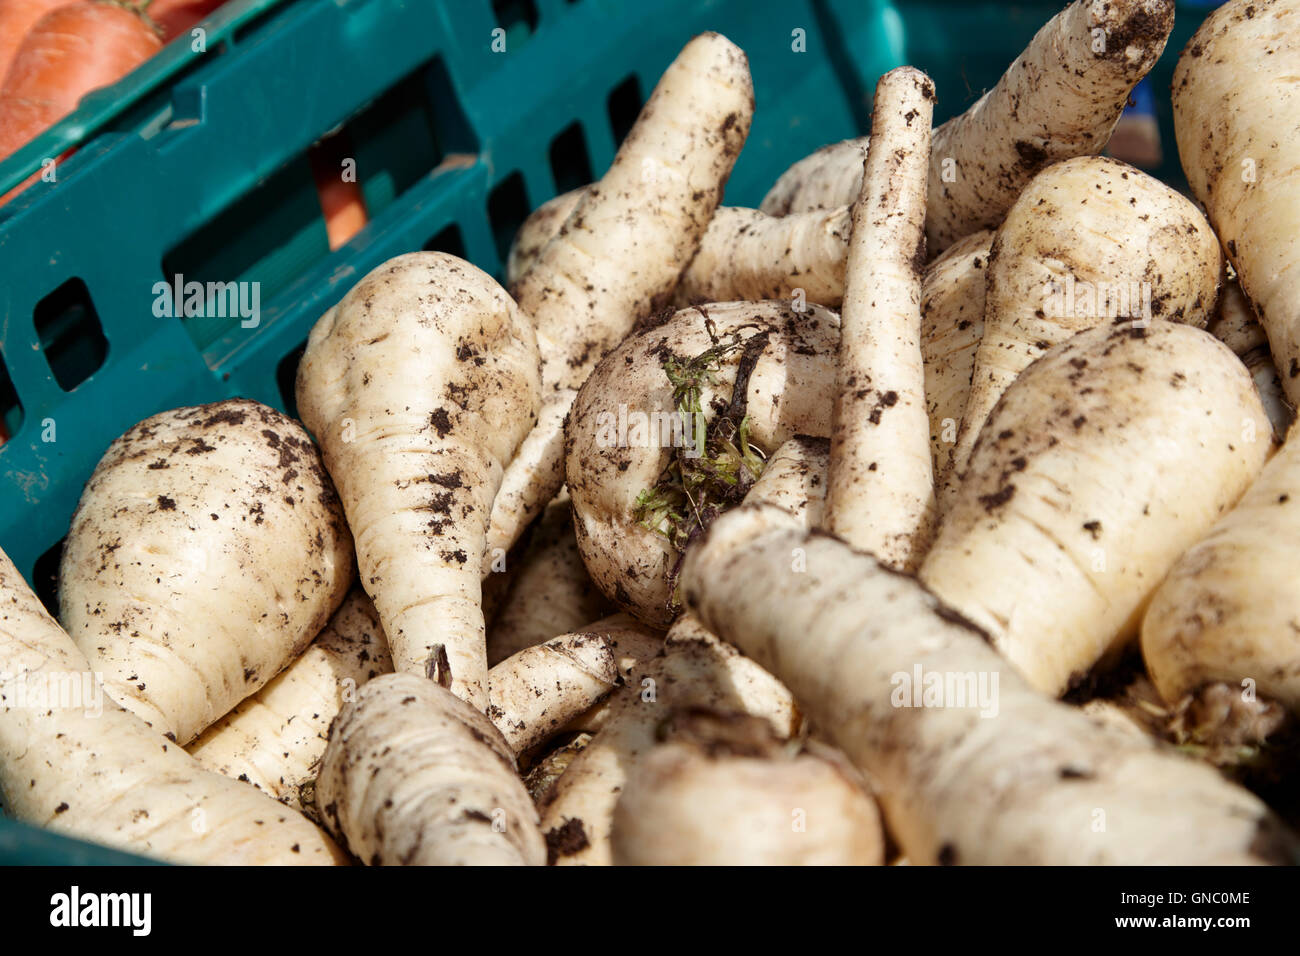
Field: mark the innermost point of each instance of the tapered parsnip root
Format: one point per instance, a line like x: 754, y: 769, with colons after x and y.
x: 1089, y: 241
x: 543, y: 223
x: 413, y: 776
x: 76, y: 763
x: 660, y: 439
x: 551, y: 593
x: 1061, y: 98
x: 968, y: 771
x: 697, y: 670
x: 274, y: 739
x: 880, y: 495
x: 420, y: 385
x: 1102, y: 463
x: 952, y: 324
x: 618, y: 256
x: 207, y: 551
x: 632, y: 645
x: 723, y: 789
x: 1225, y: 623
x: 1235, y: 326
x: 1236, y: 91
x: 794, y: 478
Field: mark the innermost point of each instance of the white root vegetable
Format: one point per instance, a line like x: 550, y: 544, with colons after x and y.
x: 999, y: 776
x: 697, y: 670
x: 1060, y: 99
x: 1236, y: 327
x: 1236, y: 90
x: 632, y: 644
x: 1090, y: 241
x: 952, y: 324
x: 541, y: 777
x: 1101, y: 464
x: 543, y: 223
x: 78, y: 764
x: 414, y: 776
x: 661, y: 416
x: 724, y: 790
x: 420, y: 384
x: 794, y: 478
x: 1227, y: 616
x: 537, y: 691
x: 274, y: 739
x: 880, y: 494
x: 551, y: 592
x: 207, y: 550
x: 618, y: 256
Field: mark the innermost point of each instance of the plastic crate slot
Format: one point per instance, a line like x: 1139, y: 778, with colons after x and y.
x: 286, y: 377
x: 570, y: 160
x: 45, y: 576
x: 404, y: 134
x: 517, y: 17
x: 624, y: 105
x: 507, y: 209
x: 11, y: 409
x: 447, y: 240
x: 71, y: 337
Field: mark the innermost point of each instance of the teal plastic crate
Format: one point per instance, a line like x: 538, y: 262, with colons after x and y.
x: 196, y: 164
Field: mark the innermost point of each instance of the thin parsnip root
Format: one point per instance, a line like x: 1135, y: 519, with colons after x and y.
x: 551, y: 592
x: 420, y: 385
x: 723, y: 789
x: 632, y: 645
x: 880, y: 494
x: 1088, y: 242
x: 661, y: 439
x: 274, y: 739
x: 641, y: 222
x: 414, y: 776
x: 1234, y: 324
x: 972, y: 766
x: 794, y: 478
x: 1060, y: 99
x: 77, y: 763
x: 207, y: 551
x: 1235, y: 98
x: 1102, y: 463
x: 697, y: 670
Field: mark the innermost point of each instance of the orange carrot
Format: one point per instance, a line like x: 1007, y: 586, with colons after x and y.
x: 16, y: 18
x: 175, y: 17
x: 341, y: 201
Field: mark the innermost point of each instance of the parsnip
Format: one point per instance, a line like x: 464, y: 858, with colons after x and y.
x: 880, y: 494
x: 79, y: 764
x: 618, y: 256
x: 1091, y: 240
x: 414, y: 776
x: 794, y: 478
x: 1236, y: 89
x: 420, y: 384
x: 1235, y: 325
x: 697, y: 670
x: 1060, y: 99
x: 655, y: 443
x: 1102, y: 463
x: 274, y: 739
x: 893, y: 676
x: 207, y: 550
x: 543, y: 223
x: 723, y: 789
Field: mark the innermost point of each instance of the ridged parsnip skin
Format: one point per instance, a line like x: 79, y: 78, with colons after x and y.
x: 618, y: 256
x: 81, y: 765
x: 543, y: 223
x: 724, y: 791
x: 794, y: 478
x: 1102, y: 463
x: 551, y: 593
x: 787, y: 396
x: 1236, y: 94
x: 535, y: 692
x: 747, y: 254
x: 1060, y: 99
x: 696, y: 671
x: 1089, y: 241
x: 414, y: 776
x: 274, y: 739
x: 1229, y: 610
x: 880, y: 486
x: 420, y: 384
x: 1035, y: 782
x: 952, y: 324
x: 207, y: 550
